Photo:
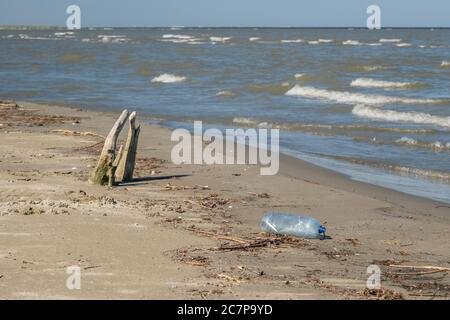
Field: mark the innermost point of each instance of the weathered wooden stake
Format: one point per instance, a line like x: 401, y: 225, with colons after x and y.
x: 127, y: 161
x: 103, y: 171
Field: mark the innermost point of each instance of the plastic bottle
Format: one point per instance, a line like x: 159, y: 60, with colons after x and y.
x: 292, y: 225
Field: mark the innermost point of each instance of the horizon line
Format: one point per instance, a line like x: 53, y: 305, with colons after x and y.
x: 222, y: 27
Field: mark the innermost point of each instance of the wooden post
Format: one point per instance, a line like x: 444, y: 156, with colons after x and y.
x: 127, y: 161
x: 102, y: 172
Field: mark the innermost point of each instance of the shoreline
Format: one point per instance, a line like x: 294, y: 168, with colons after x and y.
x: 367, y: 223
x: 291, y: 159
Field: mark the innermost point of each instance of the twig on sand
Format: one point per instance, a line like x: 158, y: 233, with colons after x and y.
x: 218, y: 236
x: 92, y: 145
x: 254, y: 244
x: 433, y: 269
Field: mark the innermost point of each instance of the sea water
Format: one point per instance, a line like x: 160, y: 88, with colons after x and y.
x: 374, y: 105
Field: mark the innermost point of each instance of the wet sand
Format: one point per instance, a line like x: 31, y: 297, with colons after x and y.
x: 164, y: 235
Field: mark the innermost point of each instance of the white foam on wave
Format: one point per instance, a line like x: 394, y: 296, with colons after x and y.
x: 325, y: 40
x: 177, y: 36
x: 397, y: 116
x: 437, y: 145
x: 372, y: 68
x: 177, y: 40
x: 390, y: 40
x: 352, y: 98
x: 299, y: 75
x: 168, y: 78
x: 445, y: 64
x: 62, y: 34
x: 293, y: 41
x: 372, y: 83
x: 28, y: 37
x: 245, y: 121
x: 220, y: 39
x: 404, y: 45
x: 352, y: 43
x: 406, y: 140
x: 112, y: 38
x: 225, y: 93
x: 254, y: 39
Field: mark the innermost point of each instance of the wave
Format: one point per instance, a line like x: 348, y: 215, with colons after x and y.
x: 326, y: 128
x: 372, y: 83
x: 352, y: 43
x: 404, y: 44
x: 361, y: 68
x: 220, y: 39
x: 390, y: 40
x: 112, y: 38
x: 396, y: 116
x: 176, y: 36
x: 293, y: 41
x: 28, y: 37
x: 254, y: 39
x: 168, y: 78
x: 358, y: 43
x: 181, y: 38
x: 64, y: 34
x: 352, y: 98
x: 445, y: 64
x: 427, y: 173
x: 406, y: 142
x: 299, y: 75
x: 437, y: 145
x: 226, y: 93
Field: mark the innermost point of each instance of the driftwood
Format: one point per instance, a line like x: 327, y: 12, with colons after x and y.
x: 106, y: 171
x: 432, y: 269
x: 127, y: 160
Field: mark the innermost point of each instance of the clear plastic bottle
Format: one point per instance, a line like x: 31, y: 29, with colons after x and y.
x: 292, y: 225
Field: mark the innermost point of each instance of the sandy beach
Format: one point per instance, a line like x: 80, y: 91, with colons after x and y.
x: 165, y: 235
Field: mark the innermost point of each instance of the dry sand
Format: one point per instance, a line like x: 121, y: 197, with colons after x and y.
x: 136, y: 240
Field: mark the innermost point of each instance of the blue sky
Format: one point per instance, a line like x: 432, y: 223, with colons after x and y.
x: 275, y: 13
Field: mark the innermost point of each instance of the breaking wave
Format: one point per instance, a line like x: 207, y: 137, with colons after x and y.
x: 397, y: 116
x: 225, y: 93
x: 404, y: 44
x: 431, y: 174
x: 352, y: 43
x: 293, y: 41
x: 112, y: 38
x: 372, y: 83
x: 330, y: 128
x: 352, y: 98
x: 177, y: 36
x: 390, y: 40
x: 445, y: 64
x: 437, y: 145
x: 168, y: 78
x: 220, y: 39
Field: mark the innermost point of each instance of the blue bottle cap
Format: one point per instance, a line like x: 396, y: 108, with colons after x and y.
x: 322, y: 230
